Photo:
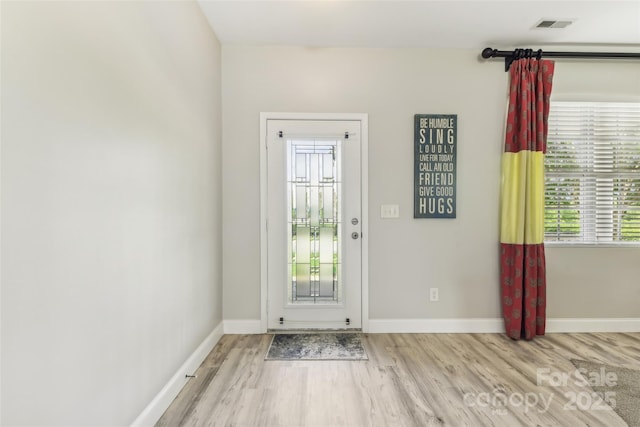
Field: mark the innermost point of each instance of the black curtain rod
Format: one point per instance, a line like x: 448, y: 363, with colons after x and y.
x: 510, y: 56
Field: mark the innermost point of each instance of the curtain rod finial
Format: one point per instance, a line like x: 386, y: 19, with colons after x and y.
x: 488, y: 52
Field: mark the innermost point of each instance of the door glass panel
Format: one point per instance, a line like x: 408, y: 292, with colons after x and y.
x: 302, y: 245
x: 301, y: 202
x: 327, y: 202
x: 313, y: 206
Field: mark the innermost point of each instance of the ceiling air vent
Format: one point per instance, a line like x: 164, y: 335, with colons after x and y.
x: 553, y: 23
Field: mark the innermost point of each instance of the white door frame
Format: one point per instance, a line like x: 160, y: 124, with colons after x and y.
x: 364, y: 146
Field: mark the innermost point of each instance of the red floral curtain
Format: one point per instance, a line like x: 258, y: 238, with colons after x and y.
x: 522, y: 259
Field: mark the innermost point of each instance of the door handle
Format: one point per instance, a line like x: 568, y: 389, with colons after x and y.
x: 355, y: 235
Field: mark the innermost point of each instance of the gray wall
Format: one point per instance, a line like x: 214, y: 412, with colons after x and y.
x: 111, y: 205
x: 407, y: 256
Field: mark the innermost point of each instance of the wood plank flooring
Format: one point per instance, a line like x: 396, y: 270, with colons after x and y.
x: 409, y: 380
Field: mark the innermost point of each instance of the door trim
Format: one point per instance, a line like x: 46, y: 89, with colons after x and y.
x: 364, y: 171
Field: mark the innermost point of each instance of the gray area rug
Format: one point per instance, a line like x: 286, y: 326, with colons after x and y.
x: 625, y: 389
x: 316, y: 346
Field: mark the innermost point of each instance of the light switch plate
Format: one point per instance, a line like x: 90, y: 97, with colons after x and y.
x: 389, y: 211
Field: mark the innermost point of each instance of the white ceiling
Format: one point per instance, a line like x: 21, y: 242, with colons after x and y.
x: 435, y: 24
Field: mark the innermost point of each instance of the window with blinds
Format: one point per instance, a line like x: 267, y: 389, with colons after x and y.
x: 592, y: 173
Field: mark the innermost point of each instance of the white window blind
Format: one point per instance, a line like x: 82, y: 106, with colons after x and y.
x: 592, y: 173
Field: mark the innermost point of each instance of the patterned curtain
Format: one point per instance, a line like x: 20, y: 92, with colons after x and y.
x: 522, y: 260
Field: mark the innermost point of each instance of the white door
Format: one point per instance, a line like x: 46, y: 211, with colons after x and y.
x: 314, y: 261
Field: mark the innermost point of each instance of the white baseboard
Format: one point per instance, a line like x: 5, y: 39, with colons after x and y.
x: 593, y: 325
x: 248, y: 326
x: 154, y: 410
x: 496, y: 325
x: 426, y: 326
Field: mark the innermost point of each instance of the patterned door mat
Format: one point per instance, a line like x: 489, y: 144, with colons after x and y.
x: 318, y: 346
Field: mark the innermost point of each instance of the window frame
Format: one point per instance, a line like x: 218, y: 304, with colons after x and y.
x: 591, y: 224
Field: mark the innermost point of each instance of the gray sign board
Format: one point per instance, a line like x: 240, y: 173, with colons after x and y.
x: 435, y: 152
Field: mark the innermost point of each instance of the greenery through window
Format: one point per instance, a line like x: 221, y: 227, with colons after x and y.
x: 592, y: 173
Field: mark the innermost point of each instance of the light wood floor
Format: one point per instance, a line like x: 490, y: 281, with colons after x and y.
x: 409, y: 380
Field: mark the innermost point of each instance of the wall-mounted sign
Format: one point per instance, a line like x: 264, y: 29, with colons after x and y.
x: 435, y: 138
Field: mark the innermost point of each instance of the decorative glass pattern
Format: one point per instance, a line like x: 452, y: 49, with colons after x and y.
x: 313, y: 224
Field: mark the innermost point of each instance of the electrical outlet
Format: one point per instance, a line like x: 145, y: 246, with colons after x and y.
x: 433, y: 295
